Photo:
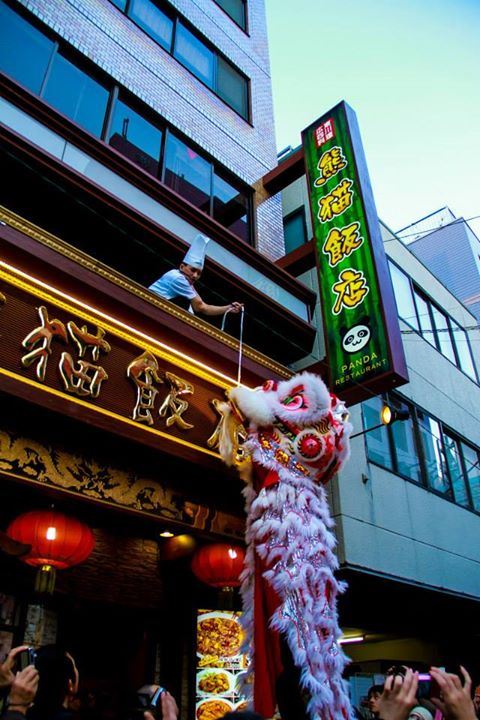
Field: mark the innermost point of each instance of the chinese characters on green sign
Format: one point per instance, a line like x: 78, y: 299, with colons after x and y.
x: 358, y: 334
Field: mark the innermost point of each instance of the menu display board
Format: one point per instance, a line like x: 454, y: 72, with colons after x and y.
x: 221, y: 666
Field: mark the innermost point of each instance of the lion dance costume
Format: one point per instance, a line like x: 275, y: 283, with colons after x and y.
x: 295, y: 438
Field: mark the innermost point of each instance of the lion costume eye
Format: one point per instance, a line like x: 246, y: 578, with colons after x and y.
x: 296, y: 400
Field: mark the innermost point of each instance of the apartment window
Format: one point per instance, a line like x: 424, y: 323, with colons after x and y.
x: 136, y: 138
x: 406, y: 460
x: 443, y: 334
x: 232, y: 87
x: 121, y: 4
x: 295, y: 230
x: 194, y: 54
x: 455, y: 468
x: 378, y: 444
x: 76, y: 94
x: 186, y: 172
x: 434, y: 454
x: 231, y: 207
x: 403, y: 296
x: 151, y: 19
x: 424, y: 318
x: 236, y: 9
x: 471, y: 460
x: 464, y: 352
x: 24, y: 51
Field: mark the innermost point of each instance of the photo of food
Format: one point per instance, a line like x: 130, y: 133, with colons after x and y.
x: 220, y: 663
x: 218, y: 634
x: 212, y: 709
x: 215, y: 682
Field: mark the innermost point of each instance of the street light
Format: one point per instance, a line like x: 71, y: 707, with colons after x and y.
x: 388, y: 415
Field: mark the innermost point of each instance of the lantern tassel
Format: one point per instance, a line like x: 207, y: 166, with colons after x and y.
x: 45, y: 579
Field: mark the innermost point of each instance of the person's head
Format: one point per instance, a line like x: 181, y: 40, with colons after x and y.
x: 58, y: 680
x: 242, y: 715
x: 191, y: 272
x: 476, y: 700
x: 373, y: 697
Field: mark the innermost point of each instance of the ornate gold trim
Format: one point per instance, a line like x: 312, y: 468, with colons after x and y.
x: 86, y: 261
x: 108, y: 413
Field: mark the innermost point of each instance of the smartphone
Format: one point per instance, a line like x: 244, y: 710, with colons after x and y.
x: 427, y: 686
x: 151, y: 701
x: 25, y: 658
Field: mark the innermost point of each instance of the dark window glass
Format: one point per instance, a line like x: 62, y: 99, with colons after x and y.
x: 135, y: 137
x: 151, y: 19
x: 443, y: 334
x: 403, y: 296
x: 121, y: 4
x: 407, y: 462
x: 236, y: 10
x: 188, y: 173
x: 76, y: 94
x: 24, y: 51
x: 295, y: 230
x: 232, y: 87
x: 426, y: 327
x: 378, y: 448
x: 472, y: 467
x: 433, y: 451
x: 452, y: 452
x: 230, y: 207
x: 192, y: 53
x: 463, y: 350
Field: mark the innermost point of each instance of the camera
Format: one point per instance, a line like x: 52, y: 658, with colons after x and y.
x: 26, y: 657
x: 149, y: 697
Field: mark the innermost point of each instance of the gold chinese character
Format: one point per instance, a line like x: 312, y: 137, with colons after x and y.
x: 350, y: 291
x: 175, y: 403
x: 144, y: 372
x: 341, y: 242
x: 85, y: 340
x: 39, y: 341
x: 331, y: 162
x: 84, y: 379
x: 336, y: 202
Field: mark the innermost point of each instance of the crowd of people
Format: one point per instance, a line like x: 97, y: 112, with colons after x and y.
x: 49, y: 690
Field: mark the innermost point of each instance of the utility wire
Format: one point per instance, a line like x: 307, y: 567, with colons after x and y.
x: 425, y: 232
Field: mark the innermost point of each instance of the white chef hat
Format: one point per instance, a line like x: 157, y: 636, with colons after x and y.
x: 195, y: 256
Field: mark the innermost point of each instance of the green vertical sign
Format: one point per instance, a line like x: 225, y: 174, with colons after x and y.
x: 349, y: 251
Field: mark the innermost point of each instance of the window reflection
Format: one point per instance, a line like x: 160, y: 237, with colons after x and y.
x: 24, y: 50
x: 443, y: 334
x: 403, y: 296
x: 158, y: 25
x: 192, y: 53
x: 426, y: 327
x: 231, y: 87
x: 295, y: 230
x: 230, y: 207
x: 452, y: 452
x: 77, y: 95
x: 407, y: 462
x: 463, y: 350
x: 472, y: 468
x: 188, y: 173
x: 378, y: 447
x: 136, y: 138
x: 433, y: 450
x: 236, y: 10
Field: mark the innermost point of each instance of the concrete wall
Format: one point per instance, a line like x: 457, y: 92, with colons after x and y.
x: 112, y: 41
x: 395, y: 527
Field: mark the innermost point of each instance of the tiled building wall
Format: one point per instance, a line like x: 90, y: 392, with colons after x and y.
x: 113, y: 42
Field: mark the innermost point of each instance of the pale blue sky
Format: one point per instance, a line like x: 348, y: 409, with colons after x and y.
x: 411, y: 71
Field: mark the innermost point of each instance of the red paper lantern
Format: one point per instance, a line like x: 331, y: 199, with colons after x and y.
x: 219, y: 565
x: 57, y: 542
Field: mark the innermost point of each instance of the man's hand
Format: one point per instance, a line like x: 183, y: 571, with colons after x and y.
x: 23, y: 690
x: 398, y: 696
x: 169, y: 708
x: 235, y: 307
x: 6, y: 670
x: 456, y: 701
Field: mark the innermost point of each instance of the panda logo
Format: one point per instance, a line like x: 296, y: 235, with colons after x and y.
x: 355, y: 338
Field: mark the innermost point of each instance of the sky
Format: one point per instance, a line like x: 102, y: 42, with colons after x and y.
x: 411, y: 71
